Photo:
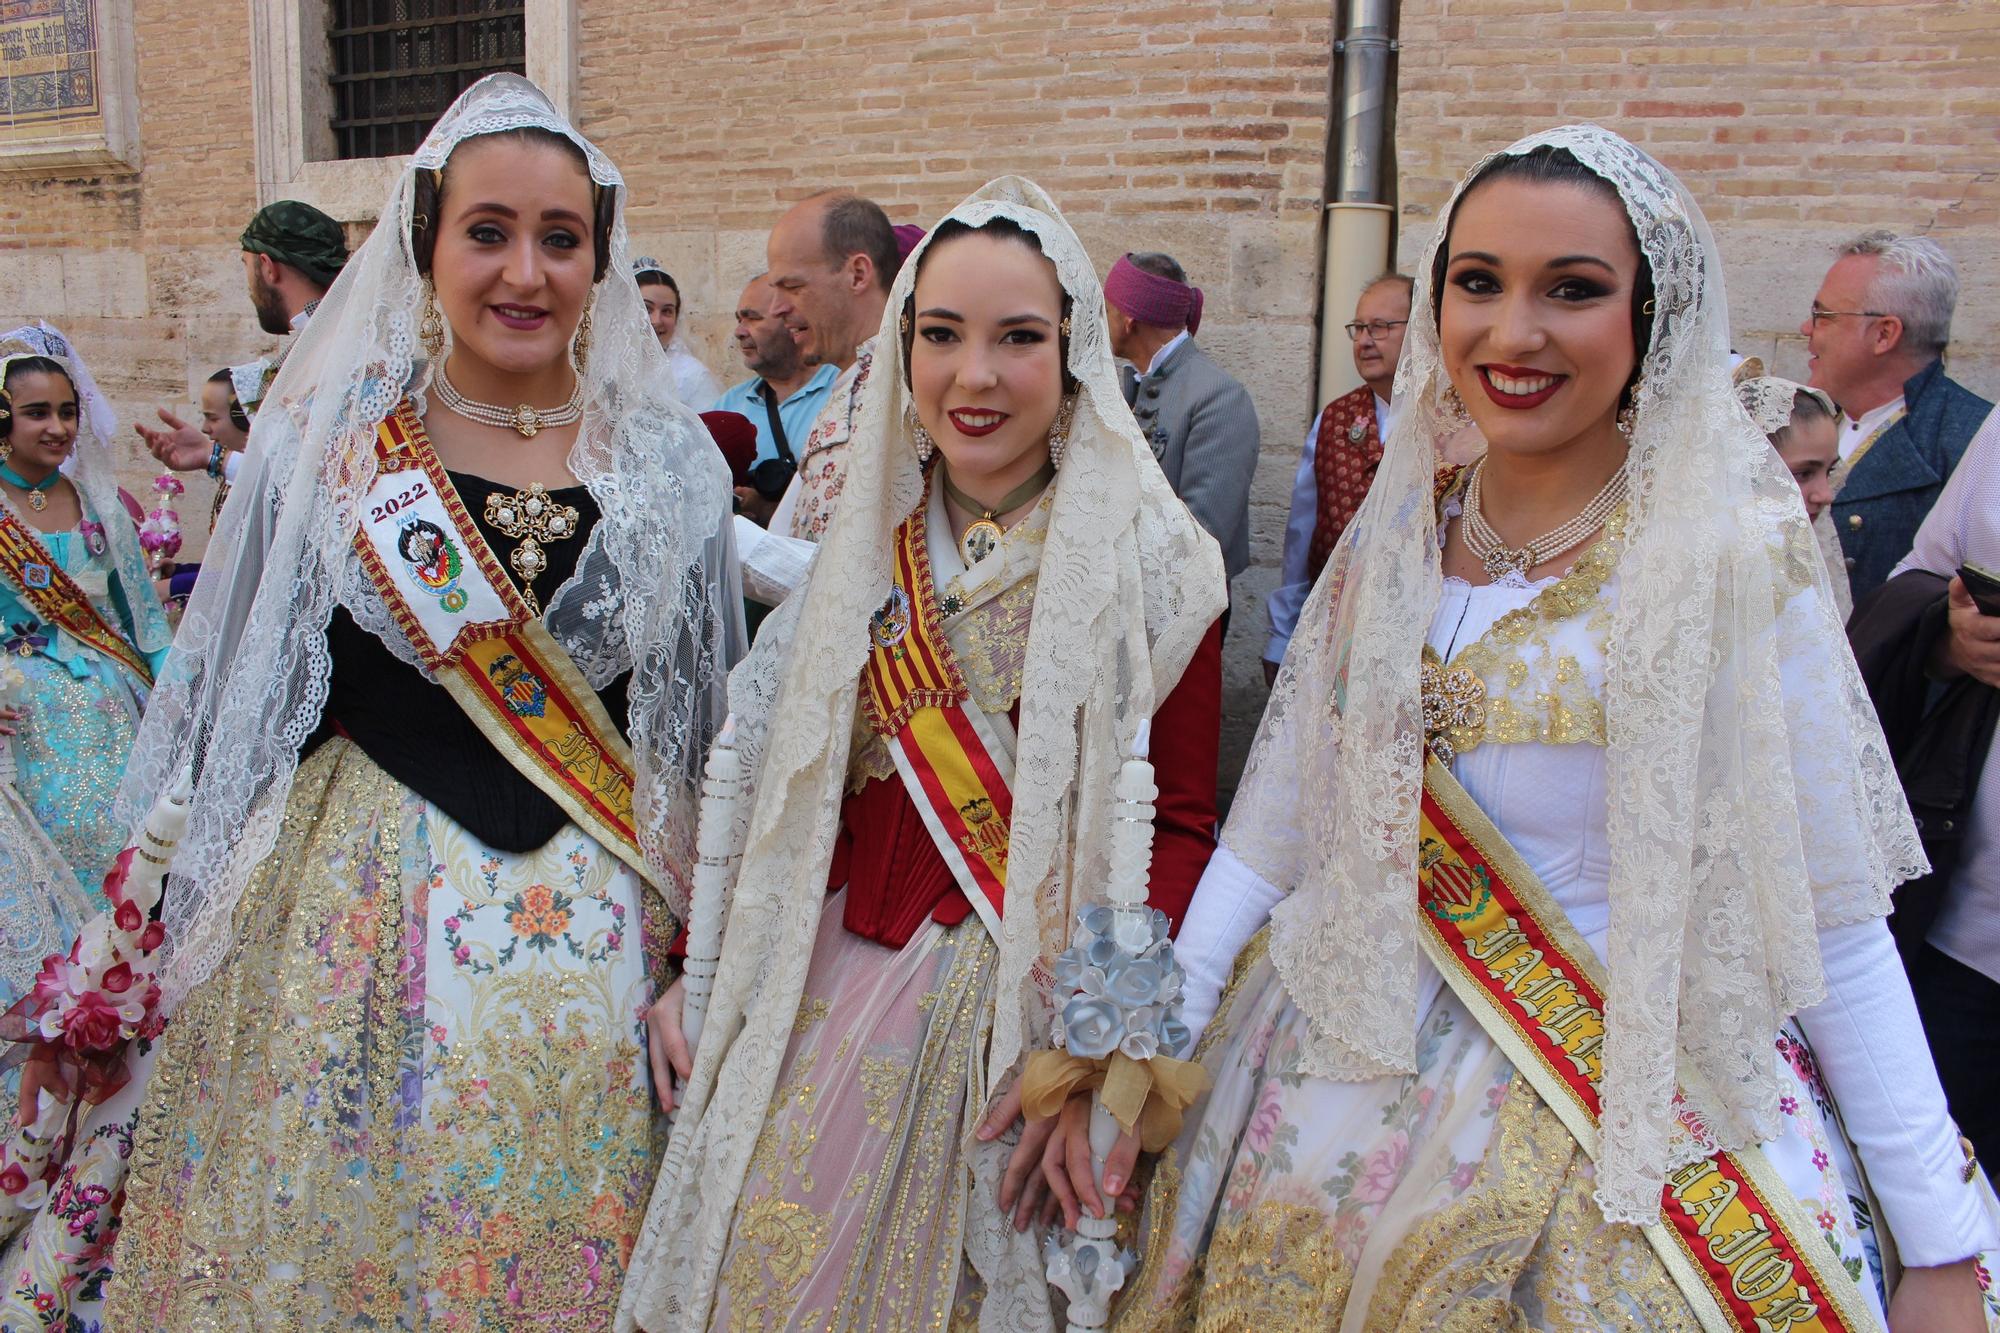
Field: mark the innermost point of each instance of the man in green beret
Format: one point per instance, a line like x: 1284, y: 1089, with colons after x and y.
x: 292, y: 252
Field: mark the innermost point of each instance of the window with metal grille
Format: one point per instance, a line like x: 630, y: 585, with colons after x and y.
x: 397, y: 64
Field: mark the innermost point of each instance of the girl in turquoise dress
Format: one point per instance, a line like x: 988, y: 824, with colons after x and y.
x: 81, y: 632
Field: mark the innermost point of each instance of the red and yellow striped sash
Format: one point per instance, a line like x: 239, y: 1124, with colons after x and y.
x: 58, y: 601
x: 508, y: 673
x: 944, y: 752
x: 1736, y: 1240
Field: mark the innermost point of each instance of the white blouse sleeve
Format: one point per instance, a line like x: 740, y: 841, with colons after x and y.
x: 1870, y: 1045
x: 1866, y: 1034
x: 1231, y: 903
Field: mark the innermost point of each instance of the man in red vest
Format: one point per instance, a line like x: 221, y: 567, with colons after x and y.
x: 1341, y: 452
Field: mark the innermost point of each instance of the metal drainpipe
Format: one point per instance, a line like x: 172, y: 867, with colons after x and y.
x: 1359, y: 226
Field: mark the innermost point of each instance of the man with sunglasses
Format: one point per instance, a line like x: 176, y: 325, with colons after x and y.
x: 1875, y: 342
x: 1341, y: 453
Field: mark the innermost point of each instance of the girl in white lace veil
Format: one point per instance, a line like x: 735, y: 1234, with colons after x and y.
x: 1715, y: 895
x: 1783, y: 409
x: 401, y: 1077
x: 1128, y: 586
x: 246, y: 685
x: 1672, y: 738
x: 44, y: 896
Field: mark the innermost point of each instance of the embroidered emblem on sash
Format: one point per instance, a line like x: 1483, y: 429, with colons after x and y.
x: 434, y: 561
x: 524, y: 693
x: 1458, y: 891
x: 892, y: 622
x: 1737, y: 1243
x: 35, y: 576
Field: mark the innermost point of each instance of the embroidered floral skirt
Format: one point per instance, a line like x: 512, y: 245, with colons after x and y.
x: 414, y: 1095
x: 71, y: 750
x: 1451, y: 1198
x: 860, y: 1203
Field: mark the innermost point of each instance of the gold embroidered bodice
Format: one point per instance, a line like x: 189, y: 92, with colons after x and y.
x: 1525, y: 679
x: 988, y: 633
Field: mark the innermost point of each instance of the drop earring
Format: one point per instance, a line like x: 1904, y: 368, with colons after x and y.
x: 1059, y: 430
x: 430, y: 327
x: 1455, y: 414
x: 919, y: 436
x: 580, y: 347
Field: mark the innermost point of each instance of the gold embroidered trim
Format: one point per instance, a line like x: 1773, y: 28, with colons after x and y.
x: 1511, y: 685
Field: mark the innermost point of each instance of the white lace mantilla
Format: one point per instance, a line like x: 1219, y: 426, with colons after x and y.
x: 1710, y: 779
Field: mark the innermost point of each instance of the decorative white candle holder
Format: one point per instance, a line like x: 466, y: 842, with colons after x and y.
x: 1127, y: 1000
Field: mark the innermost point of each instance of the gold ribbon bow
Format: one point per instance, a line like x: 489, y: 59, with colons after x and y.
x: 1143, y: 1096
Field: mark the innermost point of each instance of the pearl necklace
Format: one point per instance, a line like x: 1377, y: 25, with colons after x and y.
x: 1501, y: 560
x: 528, y: 421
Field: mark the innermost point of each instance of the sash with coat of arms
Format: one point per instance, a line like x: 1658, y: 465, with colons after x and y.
x: 478, y: 636
x: 1737, y: 1242
x: 956, y: 769
x: 59, y: 601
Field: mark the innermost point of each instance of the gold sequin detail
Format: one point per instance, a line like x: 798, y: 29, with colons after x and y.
x: 1274, y: 1267
x: 1456, y: 1269
x: 344, y: 1129
x: 777, y: 1244
x: 1532, y: 691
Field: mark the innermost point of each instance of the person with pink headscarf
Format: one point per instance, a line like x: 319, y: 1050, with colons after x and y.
x: 1198, y: 418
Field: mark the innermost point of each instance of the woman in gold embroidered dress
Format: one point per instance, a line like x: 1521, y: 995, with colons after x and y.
x: 1003, y: 517
x: 403, y: 1083
x: 1652, y: 704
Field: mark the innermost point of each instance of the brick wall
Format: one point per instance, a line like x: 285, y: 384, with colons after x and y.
x: 1198, y: 127
x: 1795, y: 124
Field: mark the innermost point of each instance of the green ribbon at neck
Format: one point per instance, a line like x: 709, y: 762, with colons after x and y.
x: 1009, y: 502
x: 13, y: 478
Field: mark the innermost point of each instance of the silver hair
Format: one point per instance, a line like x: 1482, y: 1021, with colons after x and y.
x: 1916, y: 282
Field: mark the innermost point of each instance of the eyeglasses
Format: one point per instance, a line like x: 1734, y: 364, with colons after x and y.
x: 1819, y: 316
x: 1374, y: 328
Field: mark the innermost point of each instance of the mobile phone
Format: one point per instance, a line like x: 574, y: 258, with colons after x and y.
x: 1984, y: 585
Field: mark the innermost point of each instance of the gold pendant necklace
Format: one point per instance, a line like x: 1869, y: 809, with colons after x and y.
x: 983, y: 534
x: 36, y: 491
x: 530, y: 516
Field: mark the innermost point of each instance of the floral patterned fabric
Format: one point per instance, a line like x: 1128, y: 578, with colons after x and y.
x: 1298, y: 1202
x: 809, y: 507
x: 862, y: 1155
x: 82, y: 710
x: 415, y: 1096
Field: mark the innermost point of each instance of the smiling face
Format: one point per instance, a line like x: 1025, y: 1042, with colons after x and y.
x: 215, y: 421
x: 514, y: 259
x: 1810, y: 446
x: 1843, y: 348
x: 986, y: 359
x: 663, y: 309
x: 42, y: 429
x: 1535, y: 316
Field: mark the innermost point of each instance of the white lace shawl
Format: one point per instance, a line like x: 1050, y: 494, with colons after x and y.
x: 1128, y: 585
x: 247, y: 679
x: 1713, y: 910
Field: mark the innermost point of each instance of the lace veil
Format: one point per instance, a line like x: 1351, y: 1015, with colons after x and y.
x: 1745, y: 809
x: 1128, y: 585
x: 653, y: 592
x: 91, y: 469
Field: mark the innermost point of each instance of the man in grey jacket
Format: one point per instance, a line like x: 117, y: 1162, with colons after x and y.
x: 1198, y: 418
